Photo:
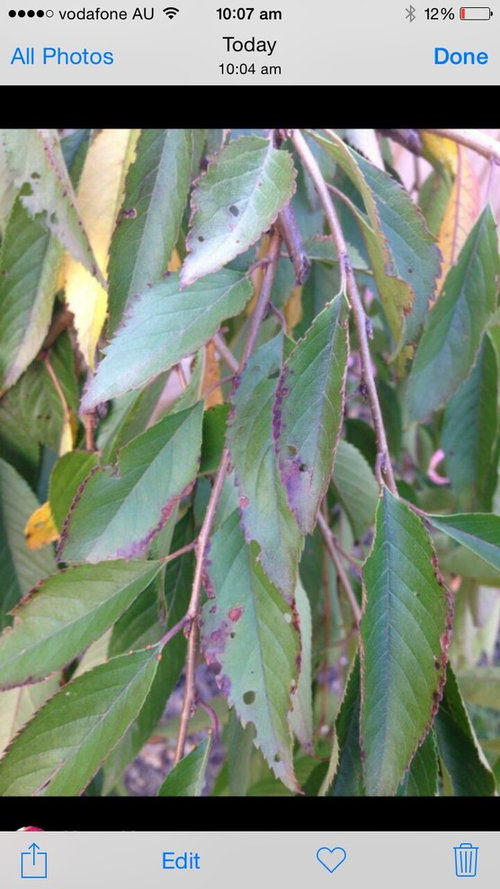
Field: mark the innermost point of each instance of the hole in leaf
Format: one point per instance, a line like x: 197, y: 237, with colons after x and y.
x: 277, y: 758
x: 249, y: 697
x: 201, y: 239
x: 291, y: 450
x: 302, y: 467
x: 234, y: 210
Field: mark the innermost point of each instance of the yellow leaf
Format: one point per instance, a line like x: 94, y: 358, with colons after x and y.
x: 460, y: 215
x: 443, y: 150
x: 293, y: 308
x: 175, y: 262
x: 99, y: 198
x: 40, y: 528
x: 211, y: 376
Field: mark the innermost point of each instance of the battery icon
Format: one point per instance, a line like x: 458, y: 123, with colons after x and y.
x: 475, y: 13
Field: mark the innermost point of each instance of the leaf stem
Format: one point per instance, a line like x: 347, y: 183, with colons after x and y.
x: 334, y: 555
x: 225, y: 352
x: 179, y: 552
x: 349, y: 286
x: 190, y: 620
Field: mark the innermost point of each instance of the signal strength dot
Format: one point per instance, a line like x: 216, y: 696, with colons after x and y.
x: 170, y: 11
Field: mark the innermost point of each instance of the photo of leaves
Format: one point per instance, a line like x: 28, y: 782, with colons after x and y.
x: 249, y: 453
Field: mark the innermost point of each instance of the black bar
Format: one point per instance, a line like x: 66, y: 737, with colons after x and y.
x: 322, y: 815
x: 384, y: 107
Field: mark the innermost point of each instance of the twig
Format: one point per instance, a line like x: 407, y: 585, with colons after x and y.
x: 349, y: 285
x: 346, y: 583
x: 225, y: 352
x: 474, y: 139
x: 178, y: 552
x: 214, y: 719
x: 294, y: 244
x: 221, y: 382
x: 194, y: 604
x: 172, y: 632
x: 206, y: 528
x: 260, y: 310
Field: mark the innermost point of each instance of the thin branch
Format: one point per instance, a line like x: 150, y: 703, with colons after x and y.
x: 206, y: 528
x: 194, y: 603
x: 173, y: 632
x: 259, y: 313
x: 214, y: 719
x: 178, y: 552
x: 221, y: 382
x: 474, y: 139
x: 225, y: 352
x: 334, y: 555
x: 349, y: 285
x: 89, y: 422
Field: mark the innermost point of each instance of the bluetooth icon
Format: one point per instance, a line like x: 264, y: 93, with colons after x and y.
x: 410, y: 13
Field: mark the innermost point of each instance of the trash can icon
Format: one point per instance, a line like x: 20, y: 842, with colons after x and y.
x: 465, y: 860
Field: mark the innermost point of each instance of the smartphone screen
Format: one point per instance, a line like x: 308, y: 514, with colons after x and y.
x: 249, y: 443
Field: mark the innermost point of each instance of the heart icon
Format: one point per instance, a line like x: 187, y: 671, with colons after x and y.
x: 331, y: 859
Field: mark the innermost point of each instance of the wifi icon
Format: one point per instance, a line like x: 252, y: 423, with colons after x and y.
x: 170, y: 11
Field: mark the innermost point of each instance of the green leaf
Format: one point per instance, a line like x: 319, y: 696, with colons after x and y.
x: 265, y: 514
x: 21, y: 568
x: 455, y: 326
x: 348, y: 779
x: 404, y: 641
x: 402, y: 252
x: 481, y: 686
x: 470, y: 430
x: 308, y: 411
x: 142, y: 625
x: 29, y: 271
x: 36, y: 163
x: 61, y: 749
x: 67, y: 476
x: 64, y: 614
x: 248, y: 632
x: 148, y: 226
x: 188, y: 776
x: 165, y: 324
x: 422, y: 776
x: 479, y: 532
x: 301, y: 717
x: 214, y: 437
x: 133, y: 412
x: 356, y: 487
x: 237, y: 199
x: 122, y: 508
x: 30, y: 260
x: 458, y: 746
x: 34, y: 404
x: 18, y: 705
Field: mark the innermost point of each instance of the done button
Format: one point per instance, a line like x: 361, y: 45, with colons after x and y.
x: 444, y: 56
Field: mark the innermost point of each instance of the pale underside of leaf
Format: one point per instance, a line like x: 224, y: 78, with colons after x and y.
x: 164, y: 325
x: 61, y: 748
x: 236, y: 200
x: 36, y: 163
x: 64, y: 614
